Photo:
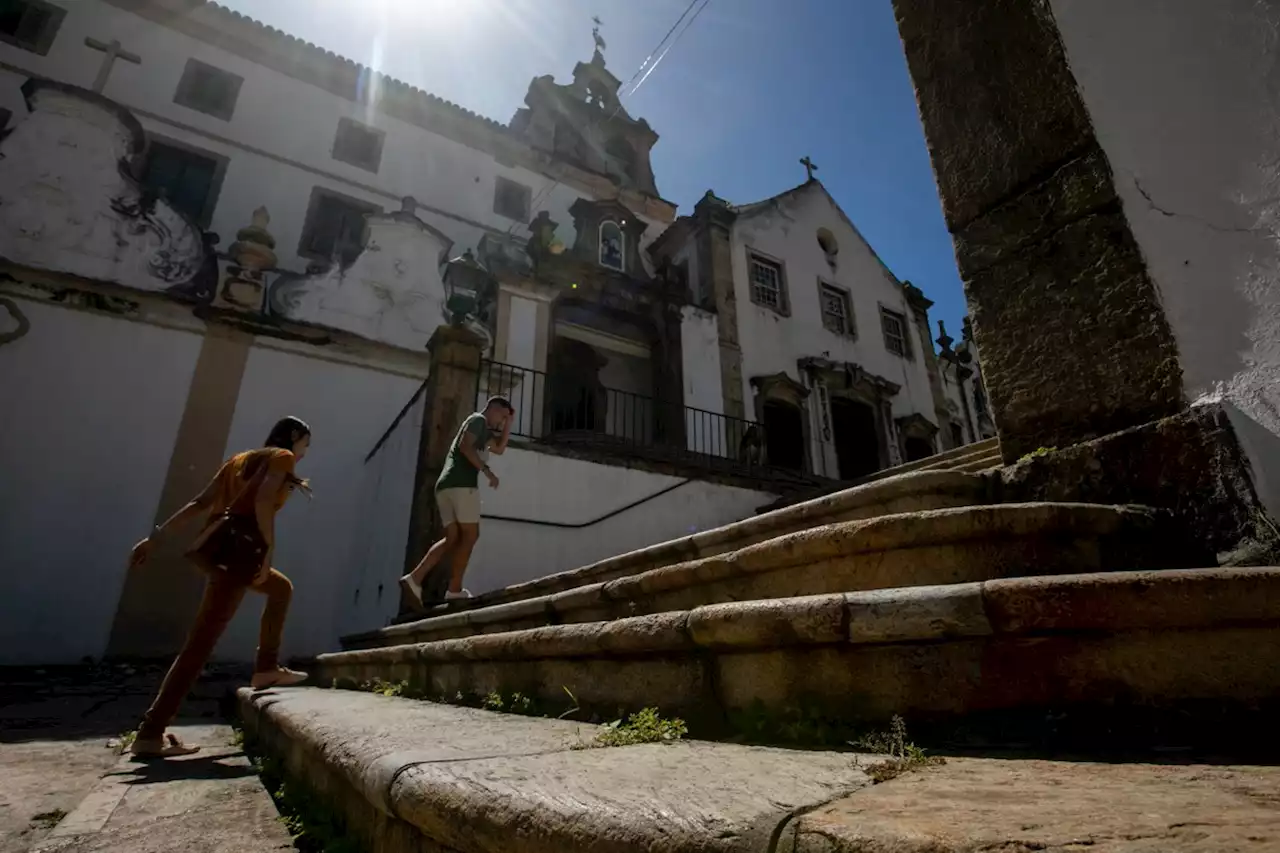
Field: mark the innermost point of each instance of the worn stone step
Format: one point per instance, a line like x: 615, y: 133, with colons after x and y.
x: 906, y: 549
x: 926, y: 653
x: 946, y: 461
x: 410, y: 777
x: 921, y: 491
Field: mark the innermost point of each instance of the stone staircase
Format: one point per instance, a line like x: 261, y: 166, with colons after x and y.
x: 979, y: 456
x: 932, y: 594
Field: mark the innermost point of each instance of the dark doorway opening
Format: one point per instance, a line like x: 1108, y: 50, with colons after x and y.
x: 957, y: 435
x: 784, y: 435
x: 917, y: 448
x: 853, y: 427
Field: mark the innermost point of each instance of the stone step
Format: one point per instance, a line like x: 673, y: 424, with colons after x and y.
x: 926, y: 653
x: 920, y: 491
x: 408, y: 777
x: 907, y: 549
x: 988, y: 449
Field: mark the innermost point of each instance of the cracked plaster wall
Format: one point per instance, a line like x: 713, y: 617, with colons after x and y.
x: 1185, y: 100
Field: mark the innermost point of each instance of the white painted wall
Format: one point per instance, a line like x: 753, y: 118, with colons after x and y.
x: 772, y: 343
x: 348, y: 409
x: 700, y: 351
x: 279, y: 139
x: 1185, y: 100
x: 91, y: 406
x: 522, y: 332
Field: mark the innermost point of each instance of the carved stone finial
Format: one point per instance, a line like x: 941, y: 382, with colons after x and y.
x: 944, y: 340
x: 251, y: 254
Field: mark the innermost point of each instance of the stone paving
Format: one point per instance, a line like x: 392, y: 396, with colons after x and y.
x: 65, y: 785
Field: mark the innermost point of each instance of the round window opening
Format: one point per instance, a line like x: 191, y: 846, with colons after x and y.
x: 827, y: 241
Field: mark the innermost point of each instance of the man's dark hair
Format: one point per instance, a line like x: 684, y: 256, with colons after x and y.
x: 499, y: 401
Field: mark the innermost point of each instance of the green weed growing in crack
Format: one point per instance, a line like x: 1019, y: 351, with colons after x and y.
x: 903, y: 755
x: 1039, y: 451
x: 645, y: 726
x: 123, y: 741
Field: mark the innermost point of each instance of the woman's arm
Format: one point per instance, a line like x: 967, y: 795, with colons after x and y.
x: 196, y: 506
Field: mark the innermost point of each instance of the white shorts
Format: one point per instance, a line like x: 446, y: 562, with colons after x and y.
x: 460, y: 506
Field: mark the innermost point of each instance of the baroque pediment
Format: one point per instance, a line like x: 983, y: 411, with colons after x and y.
x: 393, y: 292
x: 69, y: 202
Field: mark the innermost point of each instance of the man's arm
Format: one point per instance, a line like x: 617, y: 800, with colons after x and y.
x: 501, y: 444
x: 468, y: 449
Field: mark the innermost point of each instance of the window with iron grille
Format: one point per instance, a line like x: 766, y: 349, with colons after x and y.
x: 209, y: 90
x: 188, y: 179
x: 358, y: 144
x: 767, y: 285
x: 837, y: 315
x: 894, y: 326
x: 30, y: 24
x: 511, y: 199
x: 334, y: 227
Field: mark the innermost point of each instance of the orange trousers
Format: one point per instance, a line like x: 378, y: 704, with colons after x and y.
x: 222, y: 598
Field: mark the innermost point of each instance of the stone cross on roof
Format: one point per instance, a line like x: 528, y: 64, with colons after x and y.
x: 595, y: 33
x: 113, y: 50
x: 809, y: 166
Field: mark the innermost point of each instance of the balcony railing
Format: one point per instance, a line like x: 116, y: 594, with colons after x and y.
x: 568, y: 410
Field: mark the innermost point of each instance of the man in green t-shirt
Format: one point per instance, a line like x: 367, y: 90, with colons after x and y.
x: 458, y: 496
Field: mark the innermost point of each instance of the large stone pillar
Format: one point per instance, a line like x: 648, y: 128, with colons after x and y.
x: 714, y: 242
x: 451, y: 395
x: 1074, y: 342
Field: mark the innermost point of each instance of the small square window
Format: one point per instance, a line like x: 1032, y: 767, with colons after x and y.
x: 767, y: 284
x: 334, y: 228
x: 894, y: 326
x: 208, y: 90
x: 837, y: 314
x: 187, y: 179
x: 512, y: 200
x: 30, y: 24
x: 358, y: 144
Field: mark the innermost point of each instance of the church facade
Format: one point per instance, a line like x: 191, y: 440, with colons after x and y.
x: 206, y: 224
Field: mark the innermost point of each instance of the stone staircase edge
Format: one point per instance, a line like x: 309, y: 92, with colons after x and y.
x: 1098, y: 601
x: 384, y: 781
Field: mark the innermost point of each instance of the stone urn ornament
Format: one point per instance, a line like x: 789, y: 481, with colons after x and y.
x: 251, y: 254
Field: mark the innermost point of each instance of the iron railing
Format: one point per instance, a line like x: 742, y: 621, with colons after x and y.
x: 567, y: 410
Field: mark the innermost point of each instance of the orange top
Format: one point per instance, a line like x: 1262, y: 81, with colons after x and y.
x: 236, y: 473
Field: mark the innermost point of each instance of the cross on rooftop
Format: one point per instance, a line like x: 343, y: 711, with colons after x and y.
x: 113, y: 51
x: 809, y: 166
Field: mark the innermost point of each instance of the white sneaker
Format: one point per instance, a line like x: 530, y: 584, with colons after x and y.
x: 413, y: 590
x: 456, y: 596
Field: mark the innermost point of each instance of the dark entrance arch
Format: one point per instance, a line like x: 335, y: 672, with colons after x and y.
x: 917, y: 448
x: 853, y: 428
x: 783, y: 435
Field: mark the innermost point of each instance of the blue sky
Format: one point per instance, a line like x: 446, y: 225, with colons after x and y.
x: 749, y: 89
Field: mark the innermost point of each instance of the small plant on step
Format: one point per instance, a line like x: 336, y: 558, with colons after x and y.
x: 387, y: 688
x: 645, y: 726
x: 1039, y: 451
x: 494, y: 702
x: 903, y: 755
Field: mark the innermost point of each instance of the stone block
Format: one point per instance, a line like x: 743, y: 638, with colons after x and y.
x: 1078, y: 314
x: 921, y: 613
x: 784, y: 622
x: 1194, y: 598
x: 998, y: 103
x: 1189, y: 464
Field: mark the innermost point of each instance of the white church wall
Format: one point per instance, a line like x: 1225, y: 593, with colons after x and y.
x: 700, y: 352
x: 348, y: 409
x: 772, y: 343
x: 91, y: 407
x: 280, y: 136
x: 543, y: 487
x: 522, y: 331
x: 1183, y: 101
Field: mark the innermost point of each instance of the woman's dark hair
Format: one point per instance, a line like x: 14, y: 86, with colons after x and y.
x: 287, y: 432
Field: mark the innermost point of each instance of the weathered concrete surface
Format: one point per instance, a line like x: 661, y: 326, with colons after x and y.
x: 477, y: 782
x: 1154, y: 638
x: 941, y: 546
x: 972, y: 805
x: 64, y: 785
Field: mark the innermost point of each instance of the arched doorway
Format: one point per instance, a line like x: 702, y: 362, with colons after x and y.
x: 853, y: 430
x: 917, y: 449
x: 578, y: 399
x: 783, y: 434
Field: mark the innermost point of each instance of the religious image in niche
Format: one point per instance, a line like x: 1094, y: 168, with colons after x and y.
x: 611, y: 246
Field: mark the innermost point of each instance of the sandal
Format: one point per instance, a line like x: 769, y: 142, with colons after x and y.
x: 278, y: 677
x: 169, y: 746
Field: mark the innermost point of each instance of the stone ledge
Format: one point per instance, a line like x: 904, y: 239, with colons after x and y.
x: 918, y: 491
x: 954, y: 545
x: 414, y: 776
x: 938, y: 652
